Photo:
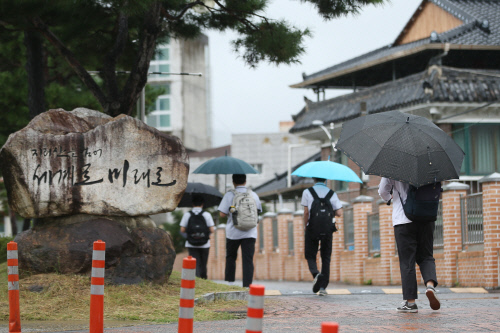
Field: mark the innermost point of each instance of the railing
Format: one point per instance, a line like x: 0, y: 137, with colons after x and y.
x: 275, y: 234
x: 373, y: 233
x: 349, y: 229
x: 471, y: 211
x: 290, y: 238
x: 438, y: 227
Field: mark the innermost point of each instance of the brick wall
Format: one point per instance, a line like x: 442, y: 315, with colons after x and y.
x: 454, y: 264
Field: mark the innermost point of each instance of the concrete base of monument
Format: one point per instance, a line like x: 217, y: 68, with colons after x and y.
x: 135, y: 251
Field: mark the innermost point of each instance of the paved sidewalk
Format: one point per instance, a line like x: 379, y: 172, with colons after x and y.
x: 363, y: 309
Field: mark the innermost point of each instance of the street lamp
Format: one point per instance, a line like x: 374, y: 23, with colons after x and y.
x: 329, y: 134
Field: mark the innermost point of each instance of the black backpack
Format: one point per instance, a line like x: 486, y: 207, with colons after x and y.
x: 422, y: 203
x: 321, y: 216
x: 198, y: 233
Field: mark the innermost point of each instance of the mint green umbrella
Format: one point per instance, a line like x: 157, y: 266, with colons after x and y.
x: 327, y: 170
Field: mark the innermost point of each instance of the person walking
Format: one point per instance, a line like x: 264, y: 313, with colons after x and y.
x: 319, y: 228
x: 197, y: 225
x: 241, y: 206
x: 415, y: 245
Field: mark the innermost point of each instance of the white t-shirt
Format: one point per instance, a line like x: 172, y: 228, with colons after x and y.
x: 322, y: 190
x: 227, y: 201
x: 208, y: 218
x: 398, y: 189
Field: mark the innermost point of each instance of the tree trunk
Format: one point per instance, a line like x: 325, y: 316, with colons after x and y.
x: 13, y: 223
x: 34, y: 68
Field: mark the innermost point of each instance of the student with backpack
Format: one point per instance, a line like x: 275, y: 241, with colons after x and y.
x: 321, y: 205
x: 241, y: 206
x: 198, y: 224
x: 413, y: 217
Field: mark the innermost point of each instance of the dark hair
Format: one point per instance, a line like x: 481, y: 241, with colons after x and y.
x: 197, y: 200
x: 319, y: 180
x: 239, y: 179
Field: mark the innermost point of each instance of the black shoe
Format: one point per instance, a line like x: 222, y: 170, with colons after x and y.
x: 405, y: 308
x: 433, y: 300
x: 316, y: 283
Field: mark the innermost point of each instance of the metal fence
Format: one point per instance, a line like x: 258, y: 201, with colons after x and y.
x: 349, y: 229
x: 373, y: 233
x: 290, y: 237
x: 275, y: 234
x: 471, y: 211
x: 438, y: 227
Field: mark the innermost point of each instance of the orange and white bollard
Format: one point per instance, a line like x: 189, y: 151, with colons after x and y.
x: 329, y: 327
x: 255, y: 310
x: 97, y: 288
x: 186, y: 307
x: 13, y: 281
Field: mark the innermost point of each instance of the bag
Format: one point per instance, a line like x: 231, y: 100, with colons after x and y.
x: 321, y: 216
x: 198, y: 233
x: 245, y: 214
x: 422, y: 203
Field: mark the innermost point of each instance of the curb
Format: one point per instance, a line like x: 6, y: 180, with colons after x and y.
x: 227, y: 296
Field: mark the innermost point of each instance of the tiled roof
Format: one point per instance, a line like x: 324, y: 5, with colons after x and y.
x: 481, y: 28
x: 438, y: 84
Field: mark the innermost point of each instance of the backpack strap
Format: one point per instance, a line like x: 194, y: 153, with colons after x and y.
x: 313, y: 193
x: 329, y: 195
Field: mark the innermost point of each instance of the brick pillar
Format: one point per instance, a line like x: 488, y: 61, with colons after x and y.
x: 221, y: 252
x: 298, y: 244
x: 362, y: 205
x: 284, y: 215
x: 387, y: 241
x: 212, y: 260
x: 337, y: 247
x: 268, y: 241
x: 452, y: 231
x: 491, y: 229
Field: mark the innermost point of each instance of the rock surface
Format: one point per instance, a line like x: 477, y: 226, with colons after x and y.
x: 65, y: 246
x: 85, y: 162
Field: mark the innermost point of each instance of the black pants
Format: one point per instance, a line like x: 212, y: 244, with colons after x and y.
x: 415, y: 245
x: 201, y: 256
x: 247, y: 252
x: 311, y: 245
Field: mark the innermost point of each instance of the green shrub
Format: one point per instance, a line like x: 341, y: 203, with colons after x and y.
x: 3, y: 248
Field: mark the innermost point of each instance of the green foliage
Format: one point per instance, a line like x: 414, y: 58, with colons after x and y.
x: 175, y: 231
x: 367, y: 282
x: 3, y: 248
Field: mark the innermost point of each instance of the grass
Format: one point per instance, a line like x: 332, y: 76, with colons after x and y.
x: 67, y: 297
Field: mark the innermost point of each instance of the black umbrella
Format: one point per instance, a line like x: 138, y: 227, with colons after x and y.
x: 210, y: 195
x: 401, y: 146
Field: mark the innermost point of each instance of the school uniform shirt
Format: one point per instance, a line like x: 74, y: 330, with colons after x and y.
x: 227, y: 201
x: 208, y: 219
x: 322, y: 190
x: 398, y: 190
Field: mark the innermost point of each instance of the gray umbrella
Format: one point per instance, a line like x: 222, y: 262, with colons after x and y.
x: 209, y: 193
x: 401, y: 146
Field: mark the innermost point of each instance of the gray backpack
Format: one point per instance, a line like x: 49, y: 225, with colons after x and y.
x: 245, y: 215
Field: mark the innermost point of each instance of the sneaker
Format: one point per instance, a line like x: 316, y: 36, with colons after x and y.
x: 322, y: 292
x: 406, y: 308
x: 316, y: 283
x: 433, y: 300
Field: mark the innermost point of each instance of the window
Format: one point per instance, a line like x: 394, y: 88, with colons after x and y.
x: 257, y: 166
x: 373, y: 233
x: 481, y: 144
x: 275, y: 234
x: 349, y: 229
x: 342, y: 159
x: 159, y: 117
x: 261, y: 237
x: 290, y: 238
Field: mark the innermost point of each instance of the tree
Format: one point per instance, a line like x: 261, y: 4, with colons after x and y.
x: 119, y: 35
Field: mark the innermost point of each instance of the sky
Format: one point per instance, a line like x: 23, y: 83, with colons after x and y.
x: 246, y: 100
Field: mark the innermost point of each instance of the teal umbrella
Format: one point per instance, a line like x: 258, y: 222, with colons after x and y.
x: 225, y: 165
x: 327, y: 170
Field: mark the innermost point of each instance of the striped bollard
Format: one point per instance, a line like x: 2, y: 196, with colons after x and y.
x: 13, y: 281
x: 97, y: 288
x: 329, y: 327
x: 186, y: 307
x: 255, y: 310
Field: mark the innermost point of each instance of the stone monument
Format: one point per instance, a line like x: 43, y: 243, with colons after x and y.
x: 84, y: 176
